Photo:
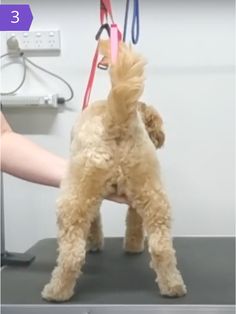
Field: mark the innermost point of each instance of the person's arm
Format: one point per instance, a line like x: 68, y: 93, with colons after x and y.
x: 22, y: 158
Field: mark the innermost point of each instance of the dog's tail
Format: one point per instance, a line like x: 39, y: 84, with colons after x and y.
x: 127, y: 83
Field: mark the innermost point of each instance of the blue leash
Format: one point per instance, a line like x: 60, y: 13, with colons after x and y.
x: 135, y: 22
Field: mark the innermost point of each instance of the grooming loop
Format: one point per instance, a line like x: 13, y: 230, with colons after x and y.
x: 115, y: 36
x: 113, y: 33
x: 103, y: 64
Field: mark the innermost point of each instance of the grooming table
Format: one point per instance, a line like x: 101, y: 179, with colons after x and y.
x: 114, y: 282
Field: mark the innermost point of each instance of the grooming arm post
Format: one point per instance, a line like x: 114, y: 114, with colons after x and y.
x: 10, y: 258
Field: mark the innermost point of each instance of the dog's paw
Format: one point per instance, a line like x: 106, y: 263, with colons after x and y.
x: 94, y: 246
x: 54, y: 293
x: 174, y: 291
x: 133, y: 247
x: 172, y: 288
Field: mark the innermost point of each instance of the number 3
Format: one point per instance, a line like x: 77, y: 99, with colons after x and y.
x: 16, y: 16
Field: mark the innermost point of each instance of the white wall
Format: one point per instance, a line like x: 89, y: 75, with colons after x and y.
x: 190, y: 79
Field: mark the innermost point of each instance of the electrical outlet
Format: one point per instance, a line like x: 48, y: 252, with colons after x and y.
x: 37, y: 41
x: 16, y: 101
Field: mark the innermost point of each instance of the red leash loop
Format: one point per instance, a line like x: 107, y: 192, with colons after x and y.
x: 90, y: 81
x: 105, y: 11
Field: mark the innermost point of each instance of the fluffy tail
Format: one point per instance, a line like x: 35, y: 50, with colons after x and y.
x: 127, y: 83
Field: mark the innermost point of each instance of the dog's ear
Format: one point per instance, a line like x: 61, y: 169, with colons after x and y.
x: 153, y: 124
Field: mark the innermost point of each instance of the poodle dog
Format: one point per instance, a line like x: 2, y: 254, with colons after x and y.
x: 113, y: 151
x: 134, y: 236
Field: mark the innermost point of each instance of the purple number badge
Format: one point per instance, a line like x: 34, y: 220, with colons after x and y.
x: 15, y: 17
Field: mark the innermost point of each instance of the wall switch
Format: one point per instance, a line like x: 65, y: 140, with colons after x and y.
x: 38, y: 41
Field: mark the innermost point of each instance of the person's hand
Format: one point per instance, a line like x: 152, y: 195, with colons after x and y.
x: 118, y: 199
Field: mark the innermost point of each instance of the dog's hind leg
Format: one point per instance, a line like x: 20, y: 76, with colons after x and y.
x: 95, y: 240
x: 134, y: 236
x: 152, y: 204
x: 77, y: 208
x: 163, y: 260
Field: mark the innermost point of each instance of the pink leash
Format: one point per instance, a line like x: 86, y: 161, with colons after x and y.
x: 114, y: 42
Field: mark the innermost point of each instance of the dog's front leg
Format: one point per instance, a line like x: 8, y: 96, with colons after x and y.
x: 134, y: 235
